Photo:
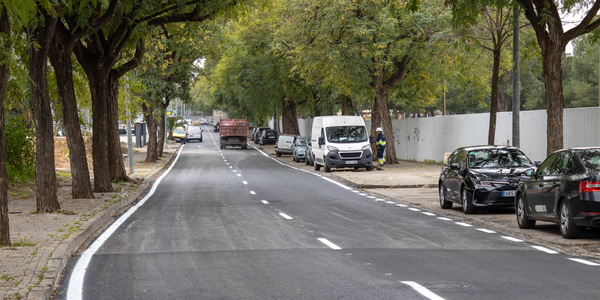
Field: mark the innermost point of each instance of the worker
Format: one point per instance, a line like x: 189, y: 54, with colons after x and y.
x: 380, y: 143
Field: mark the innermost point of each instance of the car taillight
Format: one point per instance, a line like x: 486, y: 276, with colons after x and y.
x: 589, y: 186
x: 275, y: 143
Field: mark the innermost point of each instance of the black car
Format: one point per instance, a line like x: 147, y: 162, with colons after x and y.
x: 564, y: 190
x: 258, y: 133
x: 268, y: 137
x: 483, y: 176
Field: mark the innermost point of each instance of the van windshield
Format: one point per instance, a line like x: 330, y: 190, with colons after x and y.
x: 347, y: 134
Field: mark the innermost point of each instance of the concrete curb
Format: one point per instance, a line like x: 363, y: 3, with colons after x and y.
x: 61, y: 255
x: 355, y: 185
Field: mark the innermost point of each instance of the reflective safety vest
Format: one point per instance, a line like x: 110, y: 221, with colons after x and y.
x: 380, y: 140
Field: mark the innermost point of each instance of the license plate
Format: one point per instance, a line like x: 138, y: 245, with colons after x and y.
x: 351, y: 162
x: 509, y: 193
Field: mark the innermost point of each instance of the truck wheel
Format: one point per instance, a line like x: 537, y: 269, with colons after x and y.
x: 244, y: 147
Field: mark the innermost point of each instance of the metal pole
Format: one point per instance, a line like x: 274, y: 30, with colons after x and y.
x: 129, y: 138
x: 444, y: 96
x: 516, y: 102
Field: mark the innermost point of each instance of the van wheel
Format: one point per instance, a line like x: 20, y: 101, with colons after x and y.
x: 370, y: 168
x: 317, y: 166
x: 326, y: 167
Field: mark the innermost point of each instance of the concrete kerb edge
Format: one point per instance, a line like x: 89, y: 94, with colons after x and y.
x: 63, y: 251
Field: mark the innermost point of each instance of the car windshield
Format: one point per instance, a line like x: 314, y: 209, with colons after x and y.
x: 179, y: 130
x: 498, y: 158
x: 347, y: 134
x: 302, y: 142
x: 590, y: 159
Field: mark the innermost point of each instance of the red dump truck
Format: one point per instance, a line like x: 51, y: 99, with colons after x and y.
x: 233, y: 132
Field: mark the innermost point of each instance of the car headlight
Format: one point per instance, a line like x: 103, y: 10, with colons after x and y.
x: 332, y: 148
x: 366, y: 147
x: 482, y: 183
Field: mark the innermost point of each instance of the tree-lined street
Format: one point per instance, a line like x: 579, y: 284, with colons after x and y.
x: 234, y: 224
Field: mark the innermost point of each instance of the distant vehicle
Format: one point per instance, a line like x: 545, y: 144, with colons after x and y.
x: 482, y: 176
x: 268, y: 136
x: 341, y: 142
x: 218, y: 115
x: 299, y: 148
x: 179, y: 134
x: 283, y: 144
x: 188, y: 121
x: 564, y: 190
x: 203, y: 121
x: 194, y: 133
x: 256, y: 132
x: 233, y: 132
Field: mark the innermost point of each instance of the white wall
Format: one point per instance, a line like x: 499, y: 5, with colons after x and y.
x: 430, y: 138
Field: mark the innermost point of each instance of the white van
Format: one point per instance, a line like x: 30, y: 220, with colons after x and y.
x: 341, y: 142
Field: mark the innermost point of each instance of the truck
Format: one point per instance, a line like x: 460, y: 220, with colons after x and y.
x: 233, y: 132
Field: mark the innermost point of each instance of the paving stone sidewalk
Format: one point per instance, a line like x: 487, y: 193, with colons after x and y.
x: 43, y: 243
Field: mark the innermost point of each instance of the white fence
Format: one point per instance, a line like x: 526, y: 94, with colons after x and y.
x: 430, y: 138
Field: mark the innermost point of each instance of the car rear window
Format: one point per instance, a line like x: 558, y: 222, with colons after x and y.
x: 590, y: 159
x: 193, y: 129
x: 283, y: 138
x: 497, y: 158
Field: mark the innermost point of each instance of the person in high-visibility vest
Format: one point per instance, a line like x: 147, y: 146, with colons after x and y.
x: 380, y: 143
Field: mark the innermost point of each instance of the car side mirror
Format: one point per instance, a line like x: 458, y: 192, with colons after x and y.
x: 371, y: 139
x: 530, y: 172
x: 321, y: 141
x: 537, y: 164
x: 455, y: 167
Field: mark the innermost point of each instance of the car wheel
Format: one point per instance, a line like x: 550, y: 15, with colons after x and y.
x: 466, y: 206
x: 568, y: 229
x: 444, y: 203
x: 317, y: 167
x: 255, y: 142
x: 521, y: 211
x: 369, y: 168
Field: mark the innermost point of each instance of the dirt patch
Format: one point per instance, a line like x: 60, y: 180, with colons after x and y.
x: 61, y: 153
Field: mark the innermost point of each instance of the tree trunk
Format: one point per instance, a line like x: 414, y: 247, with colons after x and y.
x: 60, y: 57
x: 381, y: 97
x: 45, y: 172
x: 502, y: 106
x: 494, y: 101
x: 290, y: 119
x: 152, y: 150
x: 375, y: 122
x: 551, y: 62
x: 4, y: 73
x: 115, y: 156
x: 347, y: 107
x: 161, y: 132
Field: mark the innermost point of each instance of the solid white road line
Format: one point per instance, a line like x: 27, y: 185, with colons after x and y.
x: 422, y: 290
x: 285, y: 216
x: 512, y: 239
x: 463, y: 224
x: 330, y: 244
x: 485, y: 230
x: 75, y: 288
x: 585, y: 262
x: 264, y: 201
x: 544, y: 249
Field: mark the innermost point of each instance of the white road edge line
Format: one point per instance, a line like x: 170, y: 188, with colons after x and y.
x: 486, y: 230
x: 463, y: 224
x: 422, y: 290
x: 510, y: 238
x: 544, y: 249
x: 585, y: 262
x: 285, y: 216
x: 75, y: 287
x: 330, y: 244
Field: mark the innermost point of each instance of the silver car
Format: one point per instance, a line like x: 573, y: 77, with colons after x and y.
x: 194, y: 133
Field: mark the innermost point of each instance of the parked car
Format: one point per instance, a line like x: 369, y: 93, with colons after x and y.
x: 258, y: 133
x: 194, y: 133
x: 179, y: 134
x: 283, y: 144
x: 483, y: 176
x: 268, y: 137
x: 309, y: 158
x: 299, y: 148
x: 564, y: 190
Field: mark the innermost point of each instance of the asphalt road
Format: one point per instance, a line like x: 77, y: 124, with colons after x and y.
x: 236, y: 224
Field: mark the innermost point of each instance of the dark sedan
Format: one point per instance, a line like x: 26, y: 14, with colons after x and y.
x: 268, y: 137
x: 564, y: 190
x: 482, y: 176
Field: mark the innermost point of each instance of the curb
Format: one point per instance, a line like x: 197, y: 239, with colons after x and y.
x: 61, y: 255
x: 355, y: 185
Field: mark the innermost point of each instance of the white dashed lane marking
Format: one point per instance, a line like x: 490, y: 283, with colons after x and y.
x: 285, y: 216
x: 252, y: 192
x: 444, y: 219
x: 512, y: 239
x: 422, y: 290
x: 485, y: 230
x: 244, y: 182
x: 585, y: 262
x: 463, y: 224
x: 264, y: 201
x: 330, y: 244
x: 413, y: 209
x: 428, y: 213
x: 544, y: 249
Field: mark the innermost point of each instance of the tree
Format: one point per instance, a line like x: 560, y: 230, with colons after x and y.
x: 4, y: 73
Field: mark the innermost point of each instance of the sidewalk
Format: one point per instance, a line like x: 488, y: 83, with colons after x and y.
x: 43, y: 243
x: 415, y: 184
